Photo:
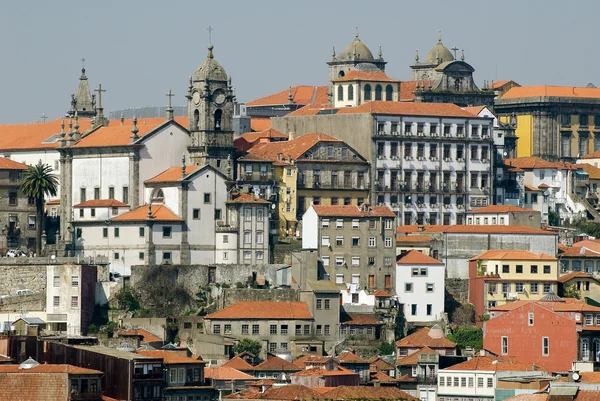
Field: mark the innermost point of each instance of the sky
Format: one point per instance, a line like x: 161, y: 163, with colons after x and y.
x: 138, y: 50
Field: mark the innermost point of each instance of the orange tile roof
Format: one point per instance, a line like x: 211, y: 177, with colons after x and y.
x: 159, y: 213
x: 50, y: 368
x: 593, y: 155
x: 474, y: 229
x: 382, y: 377
x: 413, y: 358
x: 475, y: 110
x: 290, y: 392
x: 303, y: 360
x: 170, y: 357
x: 392, y: 108
x: 593, y: 171
x: 263, y: 310
x: 38, y: 387
x: 552, y: 91
x: 572, y: 275
x: 532, y: 188
x: 274, y: 363
x: 381, y: 293
x: 238, y: 363
x: 379, y: 364
x: 421, y: 338
x: 53, y: 202
x: 512, y: 255
x: 289, y: 149
x: 502, y: 209
x: 413, y: 238
x: 408, y: 88
x: 116, y: 134
x: 569, y: 305
x: 146, y: 335
x: 575, y: 251
x: 529, y: 163
x: 300, y: 95
x: 7, y: 164
x: 101, y: 203
x: 414, y: 257
x: 246, y: 141
x: 173, y: 174
x: 495, y: 364
x: 322, y: 372
x: 498, y: 84
x: 32, y: 136
x: 356, y: 75
x: 584, y: 377
x: 350, y: 357
x: 367, y: 393
x: 247, y: 198
x: 352, y: 211
x: 260, y: 123
x: 225, y: 373
x: 360, y: 319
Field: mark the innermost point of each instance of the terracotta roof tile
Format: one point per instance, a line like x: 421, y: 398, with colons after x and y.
x: 238, y: 363
x: 475, y: 110
x: 379, y: 364
x: 381, y: 293
x: 159, y: 213
x: 303, y: 360
x: 360, y: 319
x: 568, y: 305
x: 593, y: 171
x: 474, y: 229
x: 552, y: 91
x: 367, y: 393
x: 293, y: 149
x: 502, y: 209
x: 146, y: 335
x: 382, y: 377
x: 529, y: 163
x: 7, y: 164
x: 575, y: 251
x: 357, y: 75
x: 350, y: 357
x: 274, y: 363
x: 53, y: 202
x: 496, y: 364
x: 50, y: 368
x: 322, y: 372
x: 268, y: 133
x: 391, y: 108
x: 530, y: 397
x: 101, y: 203
x: 32, y: 136
x: 260, y: 123
x: 352, y: 211
x: 421, y: 338
x: 512, y: 255
x: 38, y: 387
x: 290, y: 392
x: 413, y: 358
x: 225, y: 373
x: 408, y: 88
x: 247, y: 198
x: 300, y: 95
x: 572, y: 275
x: 173, y: 174
x: 263, y: 310
x: 584, y: 377
x: 532, y: 188
x: 413, y: 238
x: 498, y: 84
x: 170, y: 357
x: 414, y: 257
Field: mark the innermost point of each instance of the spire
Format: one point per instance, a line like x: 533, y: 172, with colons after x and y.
x: 170, y: 108
x: 356, y: 35
x: 82, y: 101
x: 76, y: 134
x: 380, y: 52
x: 190, y: 87
x: 290, y: 96
x: 122, y: 119
x: 417, y: 56
x: 100, y: 119
x: 333, y: 52
x: 440, y: 37
x: 183, y: 167
x: 62, y: 127
x: 354, y: 52
x: 210, y: 51
x: 134, y: 131
x: 462, y: 55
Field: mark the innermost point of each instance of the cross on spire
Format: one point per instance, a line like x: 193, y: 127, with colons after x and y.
x: 99, y: 90
x: 83, y: 63
x: 170, y: 108
x: 170, y: 95
x: 454, y: 49
x: 43, y: 117
x: 210, y: 29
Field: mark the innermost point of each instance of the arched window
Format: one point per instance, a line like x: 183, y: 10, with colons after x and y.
x: 218, y: 115
x: 196, y: 118
x: 341, y: 74
x: 389, y: 93
x: 585, y: 349
x: 340, y: 92
x: 367, y: 92
x: 378, y: 92
x: 157, y: 196
x: 350, y: 92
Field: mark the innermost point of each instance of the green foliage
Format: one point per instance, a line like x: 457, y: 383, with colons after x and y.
x: 553, y: 218
x: 225, y: 286
x: 128, y: 299
x: 571, y: 291
x: 400, y: 324
x: 38, y: 182
x: 467, y: 337
x: 480, y: 267
x: 590, y: 228
x: 249, y: 345
x: 239, y: 284
x: 385, y: 348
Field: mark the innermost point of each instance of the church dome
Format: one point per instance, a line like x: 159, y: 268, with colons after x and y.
x: 362, y: 51
x: 439, y: 51
x: 29, y: 363
x: 210, y: 69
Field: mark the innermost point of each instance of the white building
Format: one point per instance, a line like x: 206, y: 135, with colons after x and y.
x: 352, y: 295
x: 504, y: 215
x: 420, y: 287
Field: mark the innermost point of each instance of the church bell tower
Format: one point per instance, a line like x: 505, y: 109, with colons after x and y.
x: 210, y: 111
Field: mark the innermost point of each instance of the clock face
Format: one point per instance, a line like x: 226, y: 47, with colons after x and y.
x: 196, y: 97
x: 219, y: 98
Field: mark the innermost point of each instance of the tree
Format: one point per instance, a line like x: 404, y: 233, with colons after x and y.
x: 553, y: 218
x: 128, y: 299
x: 467, y: 337
x: 400, y: 326
x: 571, y: 291
x: 246, y: 344
x: 464, y: 315
x: 385, y: 348
x: 39, y: 182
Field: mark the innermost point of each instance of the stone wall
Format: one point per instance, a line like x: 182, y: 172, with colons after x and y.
x: 233, y: 295
x: 282, y: 252
x: 458, y: 288
x: 24, y: 303
x: 21, y: 277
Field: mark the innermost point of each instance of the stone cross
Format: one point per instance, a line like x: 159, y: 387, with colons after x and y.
x: 170, y: 95
x: 454, y: 49
x: 83, y: 63
x: 43, y: 117
x: 99, y: 90
x: 210, y: 29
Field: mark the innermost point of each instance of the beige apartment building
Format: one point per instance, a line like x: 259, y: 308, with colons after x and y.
x: 356, y: 244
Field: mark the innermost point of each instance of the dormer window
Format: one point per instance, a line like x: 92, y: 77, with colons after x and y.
x: 157, y: 196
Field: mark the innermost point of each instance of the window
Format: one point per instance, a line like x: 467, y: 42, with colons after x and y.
x: 547, y: 270
x: 340, y: 92
x: 325, y: 260
x: 505, y: 269
x: 259, y: 237
x: 534, y: 269
x: 339, y: 260
x: 519, y: 269
x: 547, y: 288
x: 355, y: 260
x: 545, y: 346
x: 166, y: 231
x: 93, y: 212
x: 74, y: 281
x: 355, y: 241
x: 325, y: 240
x: 141, y: 256
x: 530, y: 319
x: 339, y: 279
x: 413, y: 309
x: 247, y: 214
x: 504, y: 343
x: 105, y: 232
x: 82, y: 195
x: 244, y: 329
x: 206, y: 197
x: 519, y: 287
x: 429, y: 287
x: 319, y: 304
x: 273, y: 329
x: 463, y: 382
x: 327, y: 304
x: 284, y: 329
x: 371, y: 260
x: 372, y: 242
x: 247, y: 255
x: 339, y: 223
x: 260, y: 214
x: 216, y: 329
x: 355, y: 278
x: 414, y: 371
x: 367, y: 92
x: 533, y: 288
x: 255, y: 329
x: 225, y: 255
x: 81, y: 212
x: 196, y: 214
x: 387, y: 260
x: 480, y: 382
x: 408, y: 287
x: 74, y: 302
x: 388, y: 242
x: 339, y: 240
x: 429, y: 309
x: 490, y: 382
x: 56, y: 301
x: 126, y: 194
x: 378, y: 90
x: 470, y: 382
x: 371, y: 281
x: 96, y: 193
x: 442, y: 381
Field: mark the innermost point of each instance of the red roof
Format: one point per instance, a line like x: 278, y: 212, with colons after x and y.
x: 146, y: 335
x: 309, y: 359
x: 381, y: 293
x: 292, y: 149
x: 50, y: 368
x: 502, y: 209
x: 593, y: 171
x: 531, y: 162
x: 512, y: 255
x: 360, y: 319
x: 367, y: 393
x: 274, y: 363
x: 350, y: 357
x: 290, y: 392
x: 268, y: 133
x: 260, y: 123
x: 495, y: 364
x: 567, y: 305
x: 474, y: 229
x: 7, y: 164
x: 357, y: 75
x: 414, y: 257
x: 352, y: 211
x: 225, y: 373
x: 382, y: 377
x: 421, y: 338
x: 263, y: 310
x: 173, y: 174
x: 552, y: 91
x: 238, y: 363
x: 475, y: 110
x: 413, y: 238
x: 170, y: 357
x: 159, y: 213
x: 101, y: 203
x: 413, y: 358
x: 322, y: 372
x: 572, y: 275
x: 33, y: 136
x: 247, y: 198
x: 300, y: 95
x: 575, y: 251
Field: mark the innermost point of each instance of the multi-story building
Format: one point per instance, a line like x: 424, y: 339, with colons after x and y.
x: 17, y: 211
x: 314, y: 168
x: 583, y: 256
x: 277, y: 325
x: 498, y: 277
x: 417, y: 273
x: 552, y: 122
x: 433, y: 338
x: 357, y: 244
x: 430, y: 162
x: 552, y: 332
x: 585, y: 284
x: 504, y: 215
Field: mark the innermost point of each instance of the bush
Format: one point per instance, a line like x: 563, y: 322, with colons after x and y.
x: 249, y: 345
x: 385, y: 348
x: 239, y: 284
x: 128, y: 299
x: 467, y: 337
x: 464, y: 315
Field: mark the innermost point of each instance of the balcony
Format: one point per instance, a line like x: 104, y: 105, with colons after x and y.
x: 258, y: 176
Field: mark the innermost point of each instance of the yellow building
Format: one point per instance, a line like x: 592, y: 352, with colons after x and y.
x: 552, y: 122
x: 498, y: 277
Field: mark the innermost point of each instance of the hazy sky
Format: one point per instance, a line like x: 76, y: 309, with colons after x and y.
x: 138, y: 50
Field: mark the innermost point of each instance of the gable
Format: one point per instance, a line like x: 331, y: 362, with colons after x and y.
x: 321, y: 151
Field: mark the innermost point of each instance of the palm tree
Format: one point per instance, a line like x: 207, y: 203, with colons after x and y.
x: 38, y: 181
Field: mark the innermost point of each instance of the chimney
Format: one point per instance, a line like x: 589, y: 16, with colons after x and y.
x: 279, y: 156
x: 290, y: 135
